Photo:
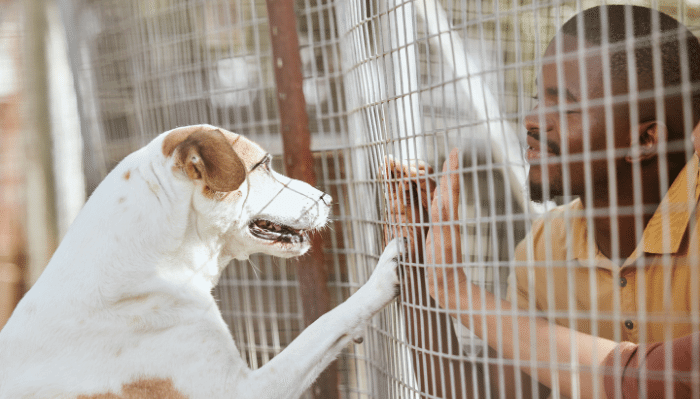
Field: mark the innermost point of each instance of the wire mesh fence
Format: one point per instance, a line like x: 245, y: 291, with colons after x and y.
x: 414, y: 80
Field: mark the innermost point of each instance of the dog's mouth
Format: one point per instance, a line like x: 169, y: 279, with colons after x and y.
x: 267, y: 230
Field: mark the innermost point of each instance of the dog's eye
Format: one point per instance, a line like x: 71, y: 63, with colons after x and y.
x: 265, y: 163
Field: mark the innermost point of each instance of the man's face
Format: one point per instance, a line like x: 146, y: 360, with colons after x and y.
x: 559, y: 129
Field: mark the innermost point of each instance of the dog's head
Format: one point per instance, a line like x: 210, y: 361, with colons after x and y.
x: 237, y: 193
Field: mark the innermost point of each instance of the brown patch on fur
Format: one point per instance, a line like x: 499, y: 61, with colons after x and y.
x: 249, y: 152
x: 176, y: 137
x: 141, y: 389
x: 139, y: 298
x: 127, y: 175
x: 206, y: 154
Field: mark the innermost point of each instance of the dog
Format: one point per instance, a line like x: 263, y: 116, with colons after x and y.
x: 125, y: 306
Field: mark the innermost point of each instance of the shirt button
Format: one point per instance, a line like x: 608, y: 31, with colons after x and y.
x: 629, y: 324
x: 623, y: 282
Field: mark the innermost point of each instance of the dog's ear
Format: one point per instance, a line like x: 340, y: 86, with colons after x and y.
x: 206, y: 154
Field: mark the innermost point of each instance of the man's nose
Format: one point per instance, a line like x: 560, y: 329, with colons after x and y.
x: 536, y: 118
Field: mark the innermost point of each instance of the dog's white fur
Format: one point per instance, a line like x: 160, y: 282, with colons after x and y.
x: 124, y: 307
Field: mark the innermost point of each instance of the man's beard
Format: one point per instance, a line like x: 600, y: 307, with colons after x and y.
x: 537, y: 193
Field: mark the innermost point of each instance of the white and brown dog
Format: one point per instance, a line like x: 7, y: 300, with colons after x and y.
x: 124, y: 307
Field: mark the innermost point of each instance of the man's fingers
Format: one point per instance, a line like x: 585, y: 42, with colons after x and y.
x: 449, y: 187
x: 454, y: 176
x: 427, y: 185
x: 396, y: 168
x: 410, y: 176
x: 452, y: 163
x: 454, y: 159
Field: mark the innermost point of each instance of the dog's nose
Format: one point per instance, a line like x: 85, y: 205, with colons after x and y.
x: 326, y: 199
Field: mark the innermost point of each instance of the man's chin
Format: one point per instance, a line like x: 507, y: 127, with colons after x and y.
x: 537, y: 194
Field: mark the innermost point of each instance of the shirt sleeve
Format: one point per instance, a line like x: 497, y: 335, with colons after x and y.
x: 651, y: 359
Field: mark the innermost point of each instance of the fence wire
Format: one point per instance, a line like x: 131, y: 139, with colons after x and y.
x: 413, y: 80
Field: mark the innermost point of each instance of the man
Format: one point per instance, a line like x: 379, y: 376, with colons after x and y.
x: 608, y: 277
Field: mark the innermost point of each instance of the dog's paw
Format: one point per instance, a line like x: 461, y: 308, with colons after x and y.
x: 385, y: 276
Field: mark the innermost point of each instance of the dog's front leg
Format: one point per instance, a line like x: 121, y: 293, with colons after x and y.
x: 292, y: 371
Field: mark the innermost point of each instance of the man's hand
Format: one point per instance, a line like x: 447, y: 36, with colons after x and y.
x: 443, y: 244
x: 409, y: 188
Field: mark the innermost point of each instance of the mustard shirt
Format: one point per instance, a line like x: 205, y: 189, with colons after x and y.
x: 649, y: 298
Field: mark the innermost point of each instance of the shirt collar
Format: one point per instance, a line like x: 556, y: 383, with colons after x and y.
x: 666, y: 228
x: 673, y: 214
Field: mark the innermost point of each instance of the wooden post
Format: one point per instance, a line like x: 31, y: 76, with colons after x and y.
x: 299, y: 164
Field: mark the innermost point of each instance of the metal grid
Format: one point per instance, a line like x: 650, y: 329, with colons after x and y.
x: 410, y: 79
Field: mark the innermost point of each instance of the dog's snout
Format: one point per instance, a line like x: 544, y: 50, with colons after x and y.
x: 326, y: 199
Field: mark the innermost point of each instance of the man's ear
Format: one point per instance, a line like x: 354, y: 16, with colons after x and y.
x: 648, y: 139
x: 205, y: 153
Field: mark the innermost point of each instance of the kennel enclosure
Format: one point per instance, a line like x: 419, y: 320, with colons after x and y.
x: 410, y: 79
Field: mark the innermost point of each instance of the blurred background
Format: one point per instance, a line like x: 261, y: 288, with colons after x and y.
x: 85, y: 82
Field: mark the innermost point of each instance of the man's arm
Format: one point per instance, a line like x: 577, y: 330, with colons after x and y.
x: 431, y: 332
x: 451, y: 289
x: 516, y: 383
x: 508, y: 375
x: 431, y: 335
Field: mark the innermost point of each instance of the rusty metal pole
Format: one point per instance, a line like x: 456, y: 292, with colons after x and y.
x: 299, y: 164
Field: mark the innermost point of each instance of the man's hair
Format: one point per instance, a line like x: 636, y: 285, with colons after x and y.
x: 644, y: 21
